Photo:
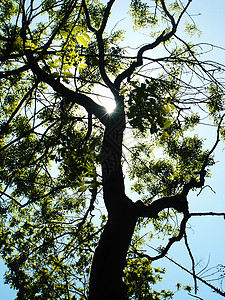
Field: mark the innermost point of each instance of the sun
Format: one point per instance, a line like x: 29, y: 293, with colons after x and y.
x: 110, y: 105
x: 103, y: 96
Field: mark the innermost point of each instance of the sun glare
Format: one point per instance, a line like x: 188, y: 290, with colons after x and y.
x: 103, y: 96
x: 110, y: 106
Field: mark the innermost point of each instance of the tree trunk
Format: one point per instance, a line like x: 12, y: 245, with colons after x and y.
x: 110, y: 256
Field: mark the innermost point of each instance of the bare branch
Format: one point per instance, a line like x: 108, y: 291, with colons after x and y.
x: 167, y: 13
x: 28, y: 94
x: 86, y: 12
x: 172, y: 240
x: 218, y: 214
x: 23, y: 135
x: 197, y: 297
x: 106, y: 16
x: 68, y: 12
x: 215, y: 144
x: 11, y: 198
x: 14, y: 72
x: 90, y: 208
x: 188, y: 271
x: 99, y: 33
x: 192, y: 261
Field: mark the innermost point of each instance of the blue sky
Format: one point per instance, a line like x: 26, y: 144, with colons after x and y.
x: 206, y: 236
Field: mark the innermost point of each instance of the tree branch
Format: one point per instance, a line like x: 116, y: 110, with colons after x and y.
x: 218, y: 214
x: 106, y: 16
x: 215, y: 144
x: 69, y: 95
x: 68, y: 12
x: 4, y: 126
x: 189, y: 272
x: 177, y: 202
x: 14, y: 72
x: 192, y: 261
x: 11, y: 198
x: 101, y: 47
x: 162, y: 38
x: 167, y: 13
x: 172, y: 240
x: 88, y: 20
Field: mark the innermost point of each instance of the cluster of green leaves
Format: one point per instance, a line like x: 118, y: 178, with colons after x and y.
x: 113, y: 59
x: 56, y: 155
x: 187, y: 288
x: 70, y: 58
x: 166, y: 154
x: 140, y: 277
x: 48, y: 252
x: 142, y: 14
x: 216, y: 100
x: 161, y: 158
x: 162, y: 166
x: 150, y: 106
x: 48, y: 159
x: 45, y: 245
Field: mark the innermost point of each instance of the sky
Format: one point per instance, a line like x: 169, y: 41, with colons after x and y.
x: 206, y: 235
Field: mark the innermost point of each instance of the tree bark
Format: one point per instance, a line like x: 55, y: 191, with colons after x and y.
x: 110, y: 256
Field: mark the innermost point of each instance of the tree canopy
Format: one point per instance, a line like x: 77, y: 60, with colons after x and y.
x: 68, y: 228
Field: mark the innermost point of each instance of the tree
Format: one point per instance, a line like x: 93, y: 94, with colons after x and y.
x: 62, y: 153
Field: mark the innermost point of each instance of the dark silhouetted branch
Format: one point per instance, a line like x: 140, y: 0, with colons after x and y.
x: 192, y: 261
x: 163, y: 37
x: 186, y: 270
x: 200, y: 214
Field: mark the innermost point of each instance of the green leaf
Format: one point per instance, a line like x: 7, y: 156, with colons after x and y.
x: 81, y: 40
x: 68, y: 74
x: 18, y: 44
x: 187, y: 288
x: 82, y: 66
x: 167, y: 123
x: 86, y: 36
x: 179, y: 285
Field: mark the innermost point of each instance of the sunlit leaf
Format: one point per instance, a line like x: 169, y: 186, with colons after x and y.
x: 81, y: 40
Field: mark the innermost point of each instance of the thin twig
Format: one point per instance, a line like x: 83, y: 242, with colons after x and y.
x: 189, y: 272
x: 219, y: 214
x: 192, y: 261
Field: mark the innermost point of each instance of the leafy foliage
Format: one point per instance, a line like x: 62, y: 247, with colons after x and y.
x: 140, y: 277
x: 142, y: 15
x: 149, y: 106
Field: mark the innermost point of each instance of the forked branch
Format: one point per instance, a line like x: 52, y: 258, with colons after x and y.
x: 101, y: 47
x: 163, y: 37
